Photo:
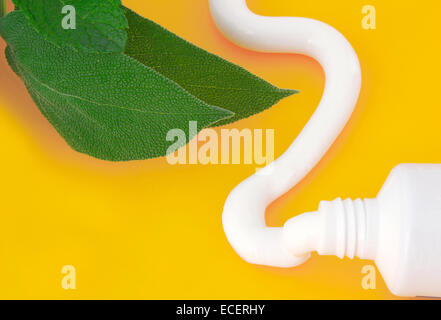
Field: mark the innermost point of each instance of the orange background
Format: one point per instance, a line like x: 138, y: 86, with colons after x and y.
x: 150, y: 230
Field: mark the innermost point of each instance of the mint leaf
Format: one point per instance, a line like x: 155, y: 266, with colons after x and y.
x: 109, y: 106
x: 100, y: 24
x: 2, y: 8
x: 120, y: 106
x: 206, y: 76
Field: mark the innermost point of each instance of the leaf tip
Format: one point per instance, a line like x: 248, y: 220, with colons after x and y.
x: 224, y: 114
x: 288, y: 92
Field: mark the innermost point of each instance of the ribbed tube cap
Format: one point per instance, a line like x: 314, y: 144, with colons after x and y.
x: 342, y: 228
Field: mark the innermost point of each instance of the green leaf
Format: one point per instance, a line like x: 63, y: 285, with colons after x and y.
x: 206, y: 76
x: 2, y: 8
x: 100, y: 24
x: 109, y: 106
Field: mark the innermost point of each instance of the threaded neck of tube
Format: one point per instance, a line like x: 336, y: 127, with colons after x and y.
x: 349, y: 228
